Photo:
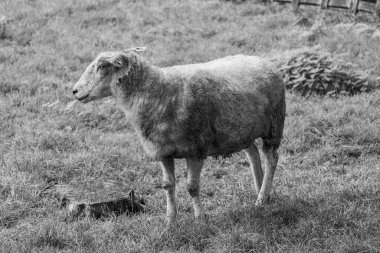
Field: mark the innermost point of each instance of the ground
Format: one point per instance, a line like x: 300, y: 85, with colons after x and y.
x: 326, y: 194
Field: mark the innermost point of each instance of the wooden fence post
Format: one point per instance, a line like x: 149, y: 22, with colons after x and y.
x: 377, y: 8
x: 354, y: 6
x: 324, y: 4
x: 295, y: 4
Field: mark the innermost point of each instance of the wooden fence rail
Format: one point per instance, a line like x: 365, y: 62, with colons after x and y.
x: 355, y: 6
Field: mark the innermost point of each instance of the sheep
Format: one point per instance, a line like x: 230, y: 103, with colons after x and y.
x: 193, y: 111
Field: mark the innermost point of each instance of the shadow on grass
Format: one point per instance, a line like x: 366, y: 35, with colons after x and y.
x: 275, y: 215
x: 311, y: 222
x: 247, y: 229
x: 186, y: 234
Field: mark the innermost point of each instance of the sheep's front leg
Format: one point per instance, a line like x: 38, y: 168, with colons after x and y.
x: 194, y: 168
x: 169, y: 184
x: 271, y: 159
x: 254, y: 159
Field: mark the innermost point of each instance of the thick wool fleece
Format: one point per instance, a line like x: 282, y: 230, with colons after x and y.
x: 207, y: 109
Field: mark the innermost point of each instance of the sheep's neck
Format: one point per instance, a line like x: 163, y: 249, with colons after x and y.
x: 160, y: 96
x: 129, y: 86
x: 145, y: 95
x: 156, y: 111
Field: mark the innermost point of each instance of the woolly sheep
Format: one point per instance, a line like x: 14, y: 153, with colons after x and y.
x: 193, y: 111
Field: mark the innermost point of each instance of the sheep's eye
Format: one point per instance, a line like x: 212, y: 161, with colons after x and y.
x: 102, y: 66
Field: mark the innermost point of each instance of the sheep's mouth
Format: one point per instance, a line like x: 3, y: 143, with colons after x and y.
x: 83, y: 97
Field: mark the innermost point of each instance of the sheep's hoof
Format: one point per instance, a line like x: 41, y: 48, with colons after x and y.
x: 168, y: 229
x: 202, y: 218
x: 170, y: 221
x: 261, y: 202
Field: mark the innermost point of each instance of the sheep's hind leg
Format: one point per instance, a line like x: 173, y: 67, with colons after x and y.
x: 167, y: 165
x: 270, y: 160
x: 194, y: 168
x: 254, y: 159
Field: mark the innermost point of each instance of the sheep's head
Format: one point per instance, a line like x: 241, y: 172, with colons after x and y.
x: 99, y: 76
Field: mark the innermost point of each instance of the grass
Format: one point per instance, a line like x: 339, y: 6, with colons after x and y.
x: 326, y: 195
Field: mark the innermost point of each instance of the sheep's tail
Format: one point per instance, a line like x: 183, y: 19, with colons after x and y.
x: 277, y: 120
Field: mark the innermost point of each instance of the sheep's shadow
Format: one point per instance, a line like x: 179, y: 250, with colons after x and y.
x: 277, y: 214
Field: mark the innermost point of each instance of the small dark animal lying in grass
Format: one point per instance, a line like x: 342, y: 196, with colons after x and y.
x: 194, y: 111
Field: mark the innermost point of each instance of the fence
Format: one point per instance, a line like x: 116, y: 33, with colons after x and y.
x: 355, y: 6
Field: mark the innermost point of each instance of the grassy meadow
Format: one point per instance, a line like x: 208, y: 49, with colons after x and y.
x: 326, y: 193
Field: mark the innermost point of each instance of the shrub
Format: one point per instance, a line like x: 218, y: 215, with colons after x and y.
x: 312, y: 73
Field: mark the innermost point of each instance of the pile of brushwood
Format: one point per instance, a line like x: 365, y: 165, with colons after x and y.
x: 310, y: 73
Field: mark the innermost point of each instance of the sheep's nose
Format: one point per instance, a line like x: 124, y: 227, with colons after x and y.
x: 75, y: 91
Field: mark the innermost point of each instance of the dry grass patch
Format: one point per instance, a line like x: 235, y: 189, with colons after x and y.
x: 325, y: 196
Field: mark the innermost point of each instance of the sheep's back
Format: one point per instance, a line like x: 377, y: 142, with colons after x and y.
x: 229, y: 102
x: 241, y: 72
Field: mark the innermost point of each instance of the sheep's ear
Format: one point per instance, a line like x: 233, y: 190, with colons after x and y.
x: 135, y: 49
x: 118, y: 60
